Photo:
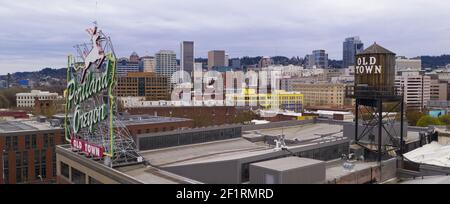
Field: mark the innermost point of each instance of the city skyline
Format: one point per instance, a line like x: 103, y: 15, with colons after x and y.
x: 43, y: 33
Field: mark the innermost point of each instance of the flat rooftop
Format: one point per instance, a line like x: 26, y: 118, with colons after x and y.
x: 25, y: 126
x: 428, y: 180
x: 433, y: 154
x: 149, y: 119
x: 196, y: 152
x: 304, y: 132
x: 151, y: 175
x: 287, y: 163
x: 310, y: 132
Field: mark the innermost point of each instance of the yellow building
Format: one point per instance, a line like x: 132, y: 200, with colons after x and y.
x: 292, y: 101
x: 323, y: 94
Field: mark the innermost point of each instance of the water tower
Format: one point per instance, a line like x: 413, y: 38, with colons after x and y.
x: 379, y: 108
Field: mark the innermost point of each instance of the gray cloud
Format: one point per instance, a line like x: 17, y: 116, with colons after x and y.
x: 38, y: 34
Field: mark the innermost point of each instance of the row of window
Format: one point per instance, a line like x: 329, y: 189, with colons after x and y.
x: 75, y: 175
x: 22, y: 166
x: 12, y: 142
x: 33, y: 97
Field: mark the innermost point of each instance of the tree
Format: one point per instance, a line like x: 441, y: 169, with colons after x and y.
x: 444, y: 119
x: 9, y: 96
x: 427, y: 120
x: 413, y: 117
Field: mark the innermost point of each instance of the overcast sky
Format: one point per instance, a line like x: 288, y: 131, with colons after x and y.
x: 36, y: 34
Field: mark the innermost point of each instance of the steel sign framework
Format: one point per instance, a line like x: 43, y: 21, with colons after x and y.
x: 91, y: 118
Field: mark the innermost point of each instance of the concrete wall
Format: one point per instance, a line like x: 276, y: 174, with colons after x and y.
x: 258, y: 175
x: 313, y: 174
x: 220, y: 172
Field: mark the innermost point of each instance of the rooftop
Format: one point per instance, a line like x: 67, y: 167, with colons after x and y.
x: 433, y: 154
x: 149, y: 119
x: 25, y: 126
x: 429, y: 180
x: 287, y: 163
x: 376, y: 49
x: 304, y: 132
x: 199, y: 152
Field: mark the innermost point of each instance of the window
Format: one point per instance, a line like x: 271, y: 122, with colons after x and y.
x: 33, y: 141
x: 94, y: 181
x: 37, y: 165
x: 43, y: 163
x: 27, y: 141
x: 25, y: 158
x: 54, y: 163
x: 15, y: 143
x: 78, y: 177
x: 24, y: 174
x: 5, y: 168
x: 19, y: 175
x: 52, y: 139
x: 8, y: 143
x: 45, y: 140
x: 64, y: 169
x: 18, y: 159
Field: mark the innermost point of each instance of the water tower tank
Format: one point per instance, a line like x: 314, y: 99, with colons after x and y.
x: 375, y: 69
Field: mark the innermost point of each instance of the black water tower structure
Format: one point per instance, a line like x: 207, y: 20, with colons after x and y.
x: 379, y: 106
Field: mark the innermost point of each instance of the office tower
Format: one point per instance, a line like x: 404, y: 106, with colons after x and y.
x: 134, y: 58
x: 187, y: 56
x: 318, y: 58
x: 148, y: 63
x: 322, y: 94
x: 438, y: 89
x: 351, y: 47
x: 143, y: 84
x: 166, y: 63
x: 216, y: 58
x: 416, y: 88
x: 124, y: 66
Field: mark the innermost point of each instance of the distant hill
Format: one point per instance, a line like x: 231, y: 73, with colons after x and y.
x: 435, y: 61
x: 37, y: 75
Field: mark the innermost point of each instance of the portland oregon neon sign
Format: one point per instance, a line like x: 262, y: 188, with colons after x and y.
x: 90, y: 101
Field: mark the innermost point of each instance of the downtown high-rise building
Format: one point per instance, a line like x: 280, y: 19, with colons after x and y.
x: 318, y: 59
x: 216, y: 58
x: 187, y: 56
x: 148, y: 64
x: 166, y: 63
x: 351, y: 47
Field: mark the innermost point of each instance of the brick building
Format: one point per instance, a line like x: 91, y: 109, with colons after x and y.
x: 28, y: 151
x: 142, y: 124
x: 201, y: 115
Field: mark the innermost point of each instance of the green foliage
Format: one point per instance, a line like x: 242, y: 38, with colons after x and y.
x: 244, y: 116
x: 444, y: 119
x: 8, y: 96
x: 413, y: 117
x: 427, y: 120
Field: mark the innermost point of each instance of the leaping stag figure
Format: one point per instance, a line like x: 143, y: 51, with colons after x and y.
x: 96, y: 56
